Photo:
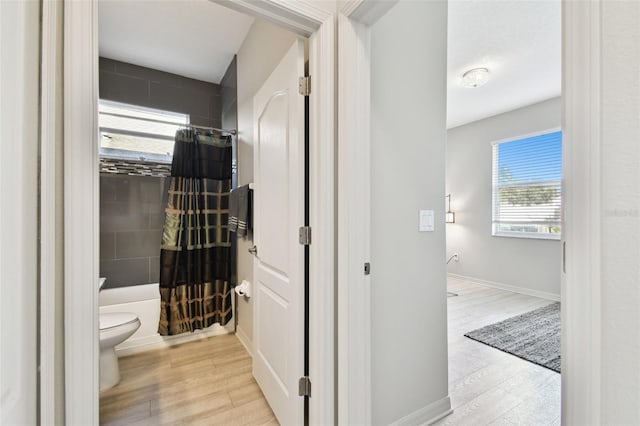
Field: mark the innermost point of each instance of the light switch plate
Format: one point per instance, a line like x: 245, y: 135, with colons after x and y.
x: 426, y: 221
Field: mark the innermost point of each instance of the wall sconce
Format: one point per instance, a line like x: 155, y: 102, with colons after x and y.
x: 449, y: 216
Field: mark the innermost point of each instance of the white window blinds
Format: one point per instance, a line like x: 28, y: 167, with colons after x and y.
x: 527, y: 192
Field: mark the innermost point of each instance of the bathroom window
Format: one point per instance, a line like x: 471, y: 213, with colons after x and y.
x: 527, y: 186
x: 129, y: 132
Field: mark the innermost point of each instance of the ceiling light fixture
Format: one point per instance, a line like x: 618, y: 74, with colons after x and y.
x: 475, y: 77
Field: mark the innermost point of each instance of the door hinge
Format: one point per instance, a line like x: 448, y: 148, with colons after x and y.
x: 304, y: 85
x: 305, y: 235
x: 304, y: 386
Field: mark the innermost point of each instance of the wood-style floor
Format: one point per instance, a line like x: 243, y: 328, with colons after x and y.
x: 209, y: 382
x: 206, y: 382
x: 488, y: 386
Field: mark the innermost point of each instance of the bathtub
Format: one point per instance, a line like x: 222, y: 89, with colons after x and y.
x: 144, y: 301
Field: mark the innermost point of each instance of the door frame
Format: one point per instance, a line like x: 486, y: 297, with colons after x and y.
x: 81, y: 218
x: 581, y: 279
x: 580, y: 290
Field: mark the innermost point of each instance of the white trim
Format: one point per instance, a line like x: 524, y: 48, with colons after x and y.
x: 508, y: 287
x: 81, y: 222
x: 581, y: 310
x: 301, y: 17
x: 354, y: 224
x: 81, y: 213
x: 526, y: 235
x: 427, y: 415
x: 19, y: 122
x: 322, y: 202
x: 354, y: 215
x: 245, y: 340
x: 526, y: 136
x: 49, y: 132
x: 366, y: 12
x: 348, y: 7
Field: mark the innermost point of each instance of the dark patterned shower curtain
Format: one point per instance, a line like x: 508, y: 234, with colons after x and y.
x: 195, y: 257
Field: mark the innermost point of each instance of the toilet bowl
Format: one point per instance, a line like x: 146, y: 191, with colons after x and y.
x: 115, y: 328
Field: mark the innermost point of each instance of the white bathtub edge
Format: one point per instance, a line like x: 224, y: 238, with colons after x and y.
x: 144, y: 301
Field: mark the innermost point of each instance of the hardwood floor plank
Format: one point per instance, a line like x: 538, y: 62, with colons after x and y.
x: 482, y: 410
x: 252, y: 413
x: 483, y: 380
x: 208, y: 381
x: 486, y: 385
x: 245, y: 394
x: 541, y: 409
x: 125, y: 413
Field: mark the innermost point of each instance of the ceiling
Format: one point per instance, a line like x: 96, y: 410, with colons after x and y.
x: 192, y: 38
x: 519, y: 41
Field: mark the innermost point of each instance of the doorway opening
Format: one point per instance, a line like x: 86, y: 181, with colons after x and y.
x: 504, y: 188
x: 205, y: 75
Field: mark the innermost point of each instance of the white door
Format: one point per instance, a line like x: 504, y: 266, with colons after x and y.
x: 278, y: 268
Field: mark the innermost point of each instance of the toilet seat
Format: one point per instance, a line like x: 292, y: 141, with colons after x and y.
x: 116, y: 319
x: 115, y: 328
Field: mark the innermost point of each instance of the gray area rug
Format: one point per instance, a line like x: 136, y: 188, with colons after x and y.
x: 534, y: 336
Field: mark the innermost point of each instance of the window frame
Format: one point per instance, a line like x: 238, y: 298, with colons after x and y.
x: 494, y: 194
x: 143, y: 156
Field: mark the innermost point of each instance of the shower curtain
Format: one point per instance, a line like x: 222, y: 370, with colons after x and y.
x: 195, y: 256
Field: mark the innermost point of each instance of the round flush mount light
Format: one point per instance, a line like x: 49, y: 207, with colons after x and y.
x: 475, y: 77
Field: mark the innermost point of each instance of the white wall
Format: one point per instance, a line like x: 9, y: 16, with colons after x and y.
x: 529, y: 264
x: 259, y: 54
x: 620, y: 289
x: 408, y: 141
x: 19, y: 101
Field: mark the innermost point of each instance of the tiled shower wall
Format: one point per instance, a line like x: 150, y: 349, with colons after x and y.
x: 131, y: 219
x: 132, y: 207
x: 135, y: 85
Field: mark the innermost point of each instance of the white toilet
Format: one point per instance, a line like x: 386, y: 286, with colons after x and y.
x: 115, y: 328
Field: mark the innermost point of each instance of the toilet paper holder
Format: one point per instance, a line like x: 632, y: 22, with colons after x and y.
x: 244, y: 289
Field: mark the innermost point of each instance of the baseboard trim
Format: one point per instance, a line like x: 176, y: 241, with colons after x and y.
x: 509, y: 287
x: 149, y: 343
x: 244, y: 339
x: 427, y: 415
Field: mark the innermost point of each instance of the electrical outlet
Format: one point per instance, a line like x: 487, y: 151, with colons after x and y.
x: 456, y: 257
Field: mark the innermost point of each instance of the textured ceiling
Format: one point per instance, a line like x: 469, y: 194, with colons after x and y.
x: 192, y: 38
x: 518, y: 41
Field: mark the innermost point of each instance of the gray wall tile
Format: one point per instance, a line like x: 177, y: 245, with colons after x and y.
x: 136, y: 85
x: 121, y: 88
x: 125, y: 272
x: 186, y: 100
x: 149, y: 74
x: 106, y: 64
x: 229, y: 85
x: 131, y: 221
x: 154, y: 269
x: 115, y: 222
x: 139, y: 243
x: 107, y: 245
x: 156, y: 221
x: 132, y: 207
